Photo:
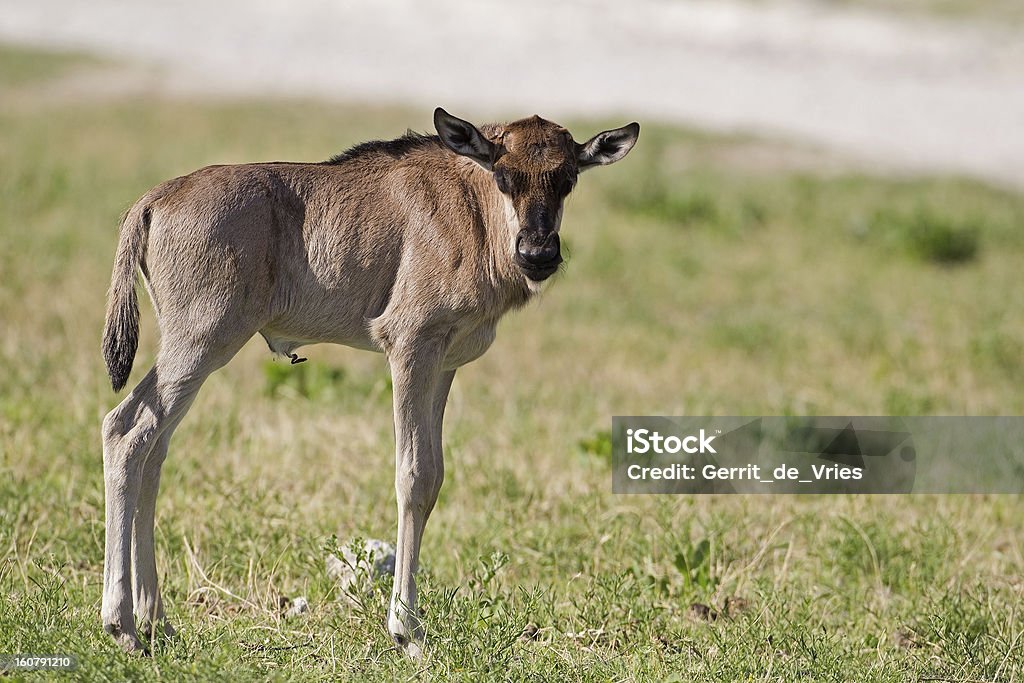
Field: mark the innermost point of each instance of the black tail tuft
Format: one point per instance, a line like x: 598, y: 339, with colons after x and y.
x: 120, y: 342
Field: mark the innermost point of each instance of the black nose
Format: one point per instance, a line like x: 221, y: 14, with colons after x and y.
x: 538, y: 252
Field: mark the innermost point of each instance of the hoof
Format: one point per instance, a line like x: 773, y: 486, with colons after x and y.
x: 413, y: 649
x: 412, y: 646
x: 127, y: 641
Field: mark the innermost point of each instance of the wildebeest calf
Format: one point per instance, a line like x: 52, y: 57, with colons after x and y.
x: 413, y: 247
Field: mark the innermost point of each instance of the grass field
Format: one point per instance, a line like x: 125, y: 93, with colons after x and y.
x: 706, y: 275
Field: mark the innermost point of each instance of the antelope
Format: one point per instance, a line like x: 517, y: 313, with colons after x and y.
x: 413, y: 247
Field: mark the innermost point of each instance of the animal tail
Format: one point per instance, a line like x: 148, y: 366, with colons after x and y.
x: 121, y: 330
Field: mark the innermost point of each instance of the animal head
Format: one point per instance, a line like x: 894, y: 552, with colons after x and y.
x: 534, y: 164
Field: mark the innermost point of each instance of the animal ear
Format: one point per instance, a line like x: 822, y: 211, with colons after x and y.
x: 463, y: 138
x: 607, y: 147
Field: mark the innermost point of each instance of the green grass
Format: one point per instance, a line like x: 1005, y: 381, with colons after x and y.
x: 695, y: 285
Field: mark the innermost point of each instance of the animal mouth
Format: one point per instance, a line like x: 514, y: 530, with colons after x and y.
x: 539, y: 271
x: 538, y: 256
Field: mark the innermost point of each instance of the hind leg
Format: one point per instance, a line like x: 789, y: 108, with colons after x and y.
x: 149, y: 608
x: 133, y: 432
x: 128, y: 433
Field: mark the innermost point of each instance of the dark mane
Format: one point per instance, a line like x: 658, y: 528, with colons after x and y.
x: 394, y: 148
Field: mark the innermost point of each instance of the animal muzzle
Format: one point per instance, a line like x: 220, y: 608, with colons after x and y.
x: 538, y: 256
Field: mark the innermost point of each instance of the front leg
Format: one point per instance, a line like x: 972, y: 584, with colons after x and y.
x: 418, y: 382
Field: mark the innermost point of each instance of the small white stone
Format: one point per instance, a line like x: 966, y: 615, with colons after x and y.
x: 298, y: 606
x: 378, y: 559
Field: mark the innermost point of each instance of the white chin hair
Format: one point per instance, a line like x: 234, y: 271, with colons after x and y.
x: 537, y: 287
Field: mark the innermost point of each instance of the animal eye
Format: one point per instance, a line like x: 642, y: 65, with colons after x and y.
x: 502, y: 182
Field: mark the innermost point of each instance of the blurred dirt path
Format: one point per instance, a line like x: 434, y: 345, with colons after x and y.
x: 912, y: 95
